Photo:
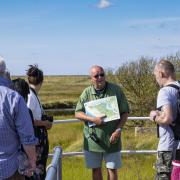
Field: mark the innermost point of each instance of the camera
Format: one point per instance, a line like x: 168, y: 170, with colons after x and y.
x: 47, y: 117
x: 94, y: 137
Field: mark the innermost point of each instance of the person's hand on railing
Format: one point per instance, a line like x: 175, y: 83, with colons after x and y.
x: 153, y: 115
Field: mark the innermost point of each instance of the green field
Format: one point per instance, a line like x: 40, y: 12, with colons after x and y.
x: 63, y: 91
x: 135, y: 167
x: 69, y: 137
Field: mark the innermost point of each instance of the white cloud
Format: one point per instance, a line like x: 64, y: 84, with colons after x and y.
x: 104, y: 4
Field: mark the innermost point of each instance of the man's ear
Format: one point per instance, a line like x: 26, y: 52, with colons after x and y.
x: 163, y: 74
x: 160, y: 74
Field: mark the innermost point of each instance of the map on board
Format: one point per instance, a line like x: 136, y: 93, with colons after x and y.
x: 105, y: 107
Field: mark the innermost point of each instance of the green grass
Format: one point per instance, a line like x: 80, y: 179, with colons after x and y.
x: 136, y: 167
x: 62, y: 89
x: 69, y: 136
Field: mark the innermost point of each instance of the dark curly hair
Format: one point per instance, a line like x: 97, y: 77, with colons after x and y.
x: 22, y: 87
x: 35, y: 75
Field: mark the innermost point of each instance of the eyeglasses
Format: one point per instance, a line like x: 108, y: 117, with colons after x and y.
x: 98, y: 75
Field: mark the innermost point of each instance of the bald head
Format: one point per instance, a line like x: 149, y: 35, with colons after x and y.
x: 95, y: 68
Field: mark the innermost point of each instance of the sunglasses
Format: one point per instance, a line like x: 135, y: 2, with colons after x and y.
x: 98, y: 75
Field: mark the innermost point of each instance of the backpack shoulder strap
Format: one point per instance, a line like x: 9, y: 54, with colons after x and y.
x: 176, y: 125
x: 170, y: 85
x: 174, y: 86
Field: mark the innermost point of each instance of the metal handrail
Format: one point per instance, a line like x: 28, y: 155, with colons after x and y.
x: 54, y: 170
x: 122, y: 151
x: 60, y: 110
x: 65, y: 154
x: 76, y: 120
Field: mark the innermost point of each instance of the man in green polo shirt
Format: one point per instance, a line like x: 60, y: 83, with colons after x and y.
x: 102, y: 141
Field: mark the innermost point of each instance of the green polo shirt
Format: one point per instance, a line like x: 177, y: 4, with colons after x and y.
x: 104, y: 131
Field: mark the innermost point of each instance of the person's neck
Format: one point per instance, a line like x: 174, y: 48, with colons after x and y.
x: 99, y: 88
x: 35, y: 88
x: 169, y: 81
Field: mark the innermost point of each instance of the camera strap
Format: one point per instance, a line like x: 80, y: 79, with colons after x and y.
x: 37, y: 99
x: 93, y: 135
x: 90, y: 130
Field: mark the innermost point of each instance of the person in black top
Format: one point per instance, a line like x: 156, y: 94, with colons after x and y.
x: 22, y: 87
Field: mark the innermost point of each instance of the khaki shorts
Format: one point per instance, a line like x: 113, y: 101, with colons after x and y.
x: 94, y: 159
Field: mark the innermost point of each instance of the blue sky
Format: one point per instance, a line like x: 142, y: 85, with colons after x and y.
x: 68, y: 36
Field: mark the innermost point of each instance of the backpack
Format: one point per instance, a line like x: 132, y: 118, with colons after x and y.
x: 176, y: 123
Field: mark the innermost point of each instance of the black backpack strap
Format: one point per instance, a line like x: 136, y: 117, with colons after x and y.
x: 174, y: 86
x: 178, y: 94
x: 174, y: 128
x: 159, y: 109
x: 157, y: 130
